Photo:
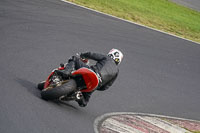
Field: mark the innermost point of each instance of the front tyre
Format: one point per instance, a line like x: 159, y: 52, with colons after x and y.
x: 57, y: 92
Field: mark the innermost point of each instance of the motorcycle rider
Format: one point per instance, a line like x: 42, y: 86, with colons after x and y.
x: 106, y: 68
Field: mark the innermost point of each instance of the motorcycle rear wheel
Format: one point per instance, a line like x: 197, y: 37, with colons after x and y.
x: 57, y: 92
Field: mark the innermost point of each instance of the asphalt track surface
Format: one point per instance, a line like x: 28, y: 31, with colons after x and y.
x: 160, y: 73
x: 194, y: 4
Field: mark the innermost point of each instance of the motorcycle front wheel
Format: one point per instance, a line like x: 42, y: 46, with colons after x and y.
x: 57, y: 92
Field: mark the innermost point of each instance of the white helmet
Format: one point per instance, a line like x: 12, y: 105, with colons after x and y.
x: 116, y: 55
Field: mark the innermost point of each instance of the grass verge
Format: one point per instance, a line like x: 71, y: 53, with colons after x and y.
x: 159, y: 14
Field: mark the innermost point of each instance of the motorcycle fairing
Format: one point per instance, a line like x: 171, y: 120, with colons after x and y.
x: 90, y: 78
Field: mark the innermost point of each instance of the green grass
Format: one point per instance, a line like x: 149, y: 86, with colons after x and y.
x: 160, y: 14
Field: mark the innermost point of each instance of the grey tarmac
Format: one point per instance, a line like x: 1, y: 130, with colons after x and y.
x: 159, y: 74
x: 193, y: 4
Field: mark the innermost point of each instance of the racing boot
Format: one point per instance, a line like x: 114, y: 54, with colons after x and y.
x: 40, y: 85
x: 80, y: 99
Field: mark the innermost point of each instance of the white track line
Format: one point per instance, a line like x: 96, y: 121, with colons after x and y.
x: 129, y: 21
x: 119, y: 127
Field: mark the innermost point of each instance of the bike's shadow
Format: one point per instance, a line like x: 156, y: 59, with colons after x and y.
x: 64, y: 104
x: 30, y: 86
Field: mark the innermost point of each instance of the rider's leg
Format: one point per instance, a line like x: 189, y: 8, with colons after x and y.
x: 78, y: 63
x: 67, y: 71
x: 74, y: 63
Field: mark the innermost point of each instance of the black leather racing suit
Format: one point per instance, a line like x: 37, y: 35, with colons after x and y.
x: 105, y: 67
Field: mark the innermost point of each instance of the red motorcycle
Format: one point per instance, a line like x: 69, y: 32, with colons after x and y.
x: 57, y: 88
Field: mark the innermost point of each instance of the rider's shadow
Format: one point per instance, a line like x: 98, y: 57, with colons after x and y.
x: 32, y: 88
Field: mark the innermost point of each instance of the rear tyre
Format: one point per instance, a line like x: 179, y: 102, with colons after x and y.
x: 57, y: 92
x: 40, y: 86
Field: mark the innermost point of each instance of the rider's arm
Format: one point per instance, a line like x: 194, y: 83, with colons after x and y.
x: 93, y: 56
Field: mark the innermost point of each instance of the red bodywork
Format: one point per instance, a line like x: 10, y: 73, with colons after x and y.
x: 90, y: 78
